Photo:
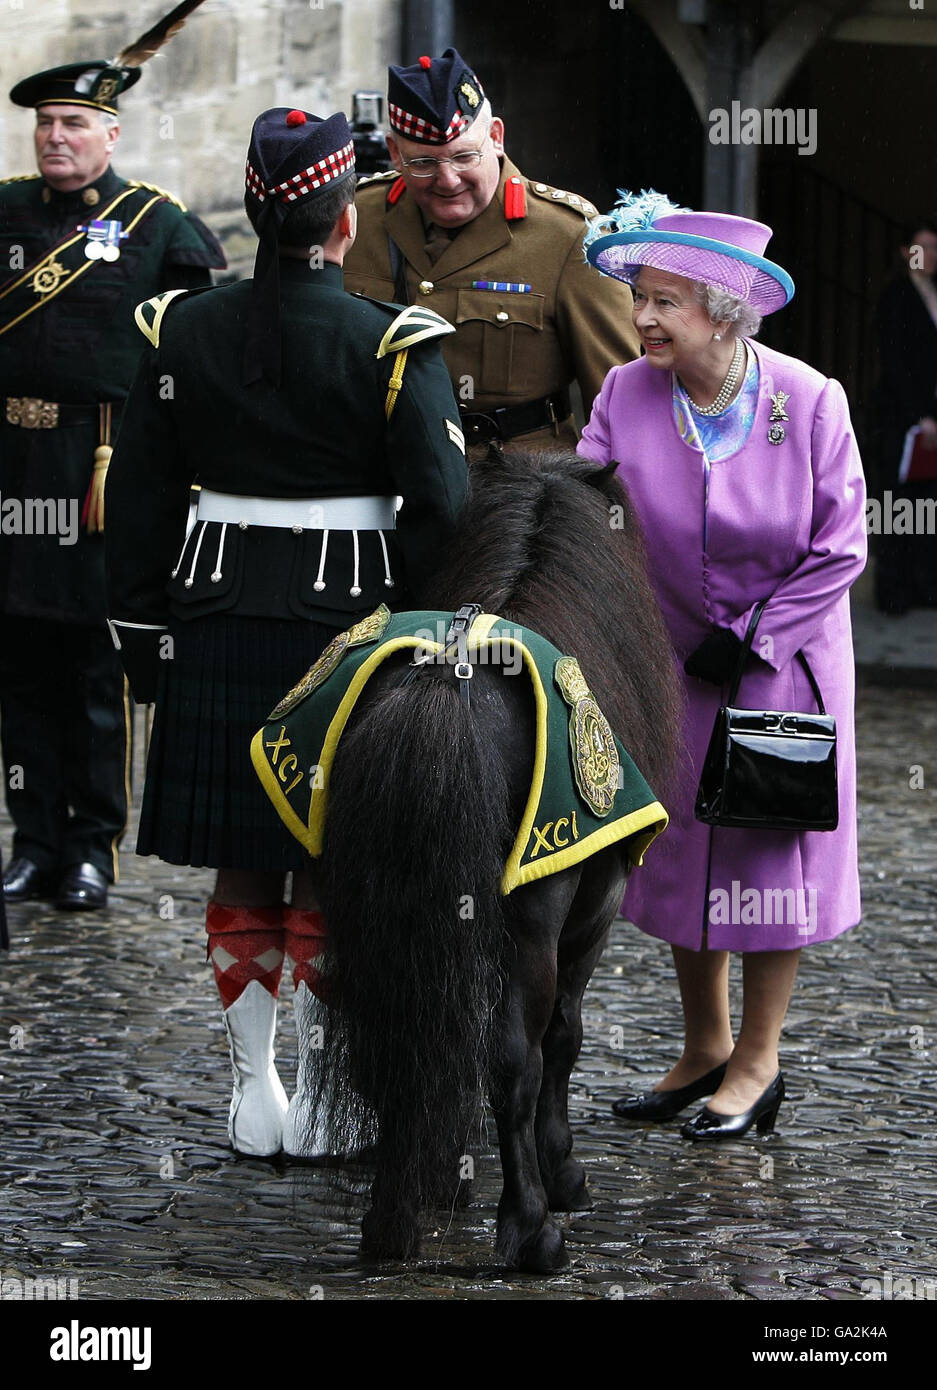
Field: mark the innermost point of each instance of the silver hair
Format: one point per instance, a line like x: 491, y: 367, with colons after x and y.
x: 724, y: 307
x: 107, y: 120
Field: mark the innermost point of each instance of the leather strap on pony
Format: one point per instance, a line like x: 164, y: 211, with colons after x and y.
x: 457, y: 637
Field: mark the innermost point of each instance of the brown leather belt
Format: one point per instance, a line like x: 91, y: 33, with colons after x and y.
x: 505, y: 422
x: 31, y: 413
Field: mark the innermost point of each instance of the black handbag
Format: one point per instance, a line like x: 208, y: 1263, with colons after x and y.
x: 770, y: 769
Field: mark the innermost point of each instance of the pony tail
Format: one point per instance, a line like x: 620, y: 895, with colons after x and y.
x: 416, y: 952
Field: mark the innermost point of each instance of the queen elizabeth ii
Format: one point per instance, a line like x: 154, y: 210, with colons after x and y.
x: 744, y: 470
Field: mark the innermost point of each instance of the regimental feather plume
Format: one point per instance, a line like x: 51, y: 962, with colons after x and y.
x: 137, y: 53
x: 631, y: 213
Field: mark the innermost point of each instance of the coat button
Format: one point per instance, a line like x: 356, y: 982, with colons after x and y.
x: 501, y: 316
x: 426, y: 287
x: 319, y: 585
x: 242, y: 525
x: 297, y: 530
x: 540, y: 187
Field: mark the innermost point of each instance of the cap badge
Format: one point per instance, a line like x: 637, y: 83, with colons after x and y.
x: 470, y: 94
x: 106, y: 89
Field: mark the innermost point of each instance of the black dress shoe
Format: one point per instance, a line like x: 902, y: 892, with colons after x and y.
x: 707, y: 1125
x: 663, y: 1105
x: 83, y: 887
x: 23, y: 880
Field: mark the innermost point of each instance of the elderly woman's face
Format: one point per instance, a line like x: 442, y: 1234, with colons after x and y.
x: 674, y: 327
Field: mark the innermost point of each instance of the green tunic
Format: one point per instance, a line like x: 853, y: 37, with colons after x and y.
x: 75, y: 344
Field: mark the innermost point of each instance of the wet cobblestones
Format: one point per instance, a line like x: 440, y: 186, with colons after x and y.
x: 114, y: 1081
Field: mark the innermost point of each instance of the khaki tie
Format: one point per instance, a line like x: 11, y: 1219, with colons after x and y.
x: 438, y: 240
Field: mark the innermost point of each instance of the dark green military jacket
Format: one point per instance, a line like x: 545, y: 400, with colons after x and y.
x: 68, y: 338
x: 327, y: 431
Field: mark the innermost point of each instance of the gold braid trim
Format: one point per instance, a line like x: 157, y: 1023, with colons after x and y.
x: 395, y: 383
x: 164, y: 192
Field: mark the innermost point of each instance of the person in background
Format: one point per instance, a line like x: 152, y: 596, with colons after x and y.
x: 79, y: 248
x: 906, y: 417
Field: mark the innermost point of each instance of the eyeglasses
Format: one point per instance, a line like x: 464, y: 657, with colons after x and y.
x: 429, y: 168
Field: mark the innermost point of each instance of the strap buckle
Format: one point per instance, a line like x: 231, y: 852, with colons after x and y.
x: 31, y: 413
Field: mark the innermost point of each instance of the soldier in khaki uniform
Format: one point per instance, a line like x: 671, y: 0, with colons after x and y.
x: 497, y: 254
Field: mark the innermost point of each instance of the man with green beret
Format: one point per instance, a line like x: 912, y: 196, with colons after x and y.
x: 457, y: 227
x: 80, y: 247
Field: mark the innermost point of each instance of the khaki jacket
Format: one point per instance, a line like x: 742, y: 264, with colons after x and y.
x: 574, y: 324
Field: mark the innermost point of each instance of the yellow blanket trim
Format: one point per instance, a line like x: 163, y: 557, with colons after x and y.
x: 652, y: 817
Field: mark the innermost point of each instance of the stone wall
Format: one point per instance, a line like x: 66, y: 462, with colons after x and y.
x: 186, y: 124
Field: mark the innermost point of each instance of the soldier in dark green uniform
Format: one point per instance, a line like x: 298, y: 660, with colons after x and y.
x: 79, y: 248
x: 302, y: 412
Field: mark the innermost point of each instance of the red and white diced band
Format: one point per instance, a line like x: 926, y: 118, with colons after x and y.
x: 333, y: 166
x: 420, y: 129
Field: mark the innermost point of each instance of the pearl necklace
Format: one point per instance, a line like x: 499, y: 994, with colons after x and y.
x: 728, y: 386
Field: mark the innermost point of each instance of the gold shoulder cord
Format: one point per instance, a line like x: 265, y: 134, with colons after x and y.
x: 396, y: 381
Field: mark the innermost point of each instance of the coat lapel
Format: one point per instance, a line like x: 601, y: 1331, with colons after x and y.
x: 480, y: 238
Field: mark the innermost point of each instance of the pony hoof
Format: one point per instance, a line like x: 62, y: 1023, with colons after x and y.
x: 546, y: 1253
x: 388, y: 1237
x: 568, y: 1191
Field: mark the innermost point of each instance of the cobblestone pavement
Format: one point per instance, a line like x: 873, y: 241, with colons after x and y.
x: 114, y: 1083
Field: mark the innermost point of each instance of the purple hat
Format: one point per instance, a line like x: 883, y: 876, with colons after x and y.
x: 715, y: 248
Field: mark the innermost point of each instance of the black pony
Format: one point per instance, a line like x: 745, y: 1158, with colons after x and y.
x: 441, y: 991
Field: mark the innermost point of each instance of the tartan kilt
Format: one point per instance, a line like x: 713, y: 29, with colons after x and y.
x: 203, y: 804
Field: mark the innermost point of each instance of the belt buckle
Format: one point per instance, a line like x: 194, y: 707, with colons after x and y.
x: 31, y: 413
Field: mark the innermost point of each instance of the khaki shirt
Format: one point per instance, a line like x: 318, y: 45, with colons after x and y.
x: 509, y: 348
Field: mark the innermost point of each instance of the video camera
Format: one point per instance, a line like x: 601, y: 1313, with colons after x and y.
x: 367, y: 132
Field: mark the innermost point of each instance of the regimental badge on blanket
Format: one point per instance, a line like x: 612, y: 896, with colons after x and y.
x: 595, y: 758
x: 585, y: 791
x: 368, y: 630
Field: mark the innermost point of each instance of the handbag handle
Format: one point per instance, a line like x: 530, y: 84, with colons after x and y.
x: 753, y: 622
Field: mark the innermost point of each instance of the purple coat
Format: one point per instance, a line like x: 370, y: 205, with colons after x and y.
x: 786, y: 523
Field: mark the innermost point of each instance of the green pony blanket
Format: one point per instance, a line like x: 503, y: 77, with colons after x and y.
x: 585, y: 792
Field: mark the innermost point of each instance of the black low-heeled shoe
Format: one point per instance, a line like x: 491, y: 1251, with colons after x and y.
x: 764, y: 1112
x: 663, y: 1105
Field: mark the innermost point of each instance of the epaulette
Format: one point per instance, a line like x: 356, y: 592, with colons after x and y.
x: 164, y: 192
x: 367, y: 179
x: 570, y: 200
x: 148, y: 316
x: 415, y: 324
x: 20, y: 178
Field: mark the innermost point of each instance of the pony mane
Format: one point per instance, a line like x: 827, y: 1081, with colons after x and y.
x: 551, y: 541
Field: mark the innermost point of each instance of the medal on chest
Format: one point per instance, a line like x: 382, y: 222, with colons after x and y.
x: 102, y: 240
